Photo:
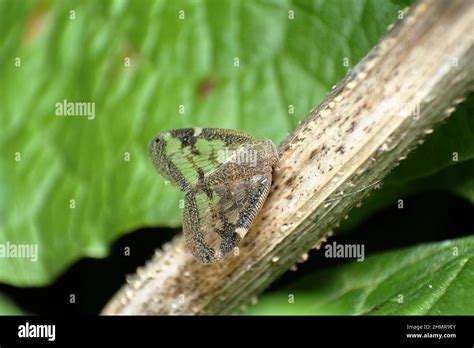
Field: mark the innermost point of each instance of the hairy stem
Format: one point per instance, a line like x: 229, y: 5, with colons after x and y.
x: 385, y: 106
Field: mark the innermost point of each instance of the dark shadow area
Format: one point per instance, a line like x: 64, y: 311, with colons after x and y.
x: 425, y: 218
x: 92, y: 281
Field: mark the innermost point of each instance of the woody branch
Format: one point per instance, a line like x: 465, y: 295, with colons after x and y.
x: 351, y: 141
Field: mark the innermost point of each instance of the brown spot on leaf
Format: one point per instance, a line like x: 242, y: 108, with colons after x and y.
x: 35, y: 24
x: 206, y: 87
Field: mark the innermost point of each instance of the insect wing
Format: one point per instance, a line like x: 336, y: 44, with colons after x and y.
x: 184, y: 156
x: 214, y: 222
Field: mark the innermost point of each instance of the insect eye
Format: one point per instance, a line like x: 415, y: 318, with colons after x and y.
x: 185, y: 138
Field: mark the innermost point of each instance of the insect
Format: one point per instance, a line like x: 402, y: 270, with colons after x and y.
x: 225, y: 176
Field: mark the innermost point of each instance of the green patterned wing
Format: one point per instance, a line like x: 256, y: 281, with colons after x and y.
x: 216, y: 220
x: 186, y: 156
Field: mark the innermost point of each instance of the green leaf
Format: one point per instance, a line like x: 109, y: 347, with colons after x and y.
x: 73, y: 192
x: 431, y: 279
x: 8, y: 307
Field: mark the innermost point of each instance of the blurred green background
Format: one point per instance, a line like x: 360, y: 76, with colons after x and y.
x: 257, y: 66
